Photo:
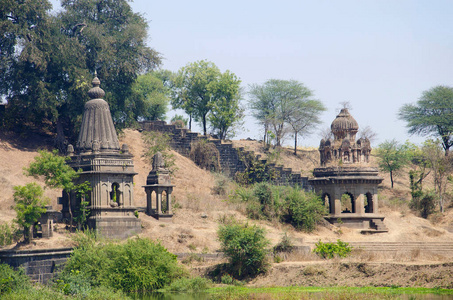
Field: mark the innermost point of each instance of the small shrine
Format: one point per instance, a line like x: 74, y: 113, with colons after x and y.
x: 346, y: 181
x: 108, y: 168
x: 159, y: 182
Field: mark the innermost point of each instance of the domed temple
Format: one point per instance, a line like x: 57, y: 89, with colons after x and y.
x: 346, y: 181
x: 108, y: 168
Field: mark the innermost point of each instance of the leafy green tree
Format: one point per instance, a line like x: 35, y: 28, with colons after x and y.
x: 392, y: 157
x: 148, y: 99
x: 226, y: 111
x: 58, y: 174
x: 279, y: 103
x: 200, y: 88
x: 48, y: 61
x: 29, y: 207
x: 304, y: 209
x: 432, y: 115
x: 246, y: 247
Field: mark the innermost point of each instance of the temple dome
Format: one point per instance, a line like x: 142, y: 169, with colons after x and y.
x: 97, y: 133
x: 344, y: 126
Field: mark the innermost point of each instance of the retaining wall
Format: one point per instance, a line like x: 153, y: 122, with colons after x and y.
x: 40, y: 265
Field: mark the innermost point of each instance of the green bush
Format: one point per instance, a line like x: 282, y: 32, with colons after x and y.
x: 330, y: 250
x: 12, y: 280
x: 188, y: 285
x: 138, y: 265
x: 245, y: 246
x: 305, y: 209
x: 9, y: 234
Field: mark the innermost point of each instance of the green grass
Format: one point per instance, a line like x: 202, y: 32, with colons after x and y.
x: 238, y: 292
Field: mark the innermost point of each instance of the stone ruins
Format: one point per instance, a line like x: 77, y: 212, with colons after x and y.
x: 108, y: 168
x: 346, y: 181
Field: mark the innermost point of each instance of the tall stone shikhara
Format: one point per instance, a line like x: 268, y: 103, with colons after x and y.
x: 108, y: 168
x: 346, y: 181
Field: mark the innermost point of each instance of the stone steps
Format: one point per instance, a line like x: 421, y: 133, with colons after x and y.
x: 181, y: 140
x: 445, y: 248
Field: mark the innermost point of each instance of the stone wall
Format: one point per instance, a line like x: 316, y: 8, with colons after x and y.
x: 182, y: 139
x: 40, y: 265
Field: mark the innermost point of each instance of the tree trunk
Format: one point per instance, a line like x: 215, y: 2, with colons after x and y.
x: 295, y: 143
x: 391, y: 178
x: 60, y: 139
x: 190, y: 122
x: 204, y: 124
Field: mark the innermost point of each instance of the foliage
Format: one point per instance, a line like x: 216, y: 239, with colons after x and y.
x: 29, y: 207
x: 12, y: 280
x: 330, y: 250
x: 285, y: 245
x: 431, y: 115
x: 226, y: 113
x: 138, y: 265
x: 205, y: 155
x: 9, y: 234
x: 305, y: 210
x: 392, y: 157
x: 179, y: 121
x: 423, y: 202
x: 187, y: 285
x: 148, y: 99
x: 256, y: 171
x: 159, y: 142
x: 279, y: 103
x: 47, y: 60
x: 200, y: 88
x: 245, y: 246
x: 58, y: 174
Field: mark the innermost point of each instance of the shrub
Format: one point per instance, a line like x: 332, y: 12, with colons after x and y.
x: 138, y: 265
x: 12, y: 280
x: 330, y: 250
x: 159, y: 142
x: 245, y: 246
x: 205, y: 155
x: 9, y: 234
x: 256, y: 171
x: 188, y: 285
x: 305, y: 209
x: 285, y: 245
x: 423, y: 202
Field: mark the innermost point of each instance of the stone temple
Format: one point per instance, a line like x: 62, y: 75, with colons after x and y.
x: 346, y: 181
x: 108, y: 168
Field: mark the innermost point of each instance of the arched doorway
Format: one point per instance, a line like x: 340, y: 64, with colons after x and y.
x: 327, y: 203
x: 347, y: 203
x: 115, y: 193
x: 368, y: 203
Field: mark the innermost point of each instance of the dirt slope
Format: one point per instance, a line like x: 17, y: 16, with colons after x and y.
x: 195, y: 222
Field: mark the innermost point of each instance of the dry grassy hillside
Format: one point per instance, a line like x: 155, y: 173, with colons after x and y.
x: 198, y: 209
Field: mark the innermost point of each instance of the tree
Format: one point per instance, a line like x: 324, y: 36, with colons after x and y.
x: 226, y: 111
x: 148, y: 99
x: 392, y: 157
x: 277, y: 103
x: 304, y: 117
x: 245, y: 246
x: 29, y: 207
x: 200, y: 88
x: 432, y: 115
x: 58, y: 174
x: 441, y: 167
x: 49, y: 60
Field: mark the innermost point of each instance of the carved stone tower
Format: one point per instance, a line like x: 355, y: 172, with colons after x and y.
x: 108, y: 169
x: 346, y: 181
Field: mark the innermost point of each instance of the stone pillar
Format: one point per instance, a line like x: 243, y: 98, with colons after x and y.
x: 168, y: 192
x: 149, y: 202
x: 337, y: 206
x: 359, y: 204
x: 375, y: 203
x: 159, y: 201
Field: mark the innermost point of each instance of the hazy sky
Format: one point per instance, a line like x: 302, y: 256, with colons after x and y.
x: 378, y: 55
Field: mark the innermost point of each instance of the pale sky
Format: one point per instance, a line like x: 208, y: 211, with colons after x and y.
x: 378, y: 55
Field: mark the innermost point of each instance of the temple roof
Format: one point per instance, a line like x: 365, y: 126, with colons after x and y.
x: 344, y: 122
x: 97, y: 132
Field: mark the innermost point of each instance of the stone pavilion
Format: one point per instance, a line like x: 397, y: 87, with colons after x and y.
x: 108, y: 168
x: 346, y: 181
